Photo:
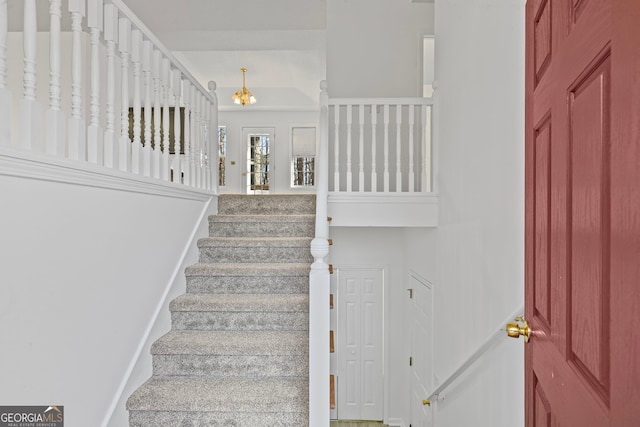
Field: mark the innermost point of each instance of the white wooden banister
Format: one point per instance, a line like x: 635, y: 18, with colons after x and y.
x: 319, y: 323
x: 399, y: 128
x: 149, y: 80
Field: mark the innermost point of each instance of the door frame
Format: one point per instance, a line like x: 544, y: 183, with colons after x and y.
x: 385, y: 326
x: 245, y: 131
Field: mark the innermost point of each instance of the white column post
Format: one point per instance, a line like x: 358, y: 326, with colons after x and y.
x: 194, y: 137
x: 336, y: 148
x: 111, y: 38
x: 29, y: 108
x: 77, y: 128
x: 319, y: 279
x: 56, y: 143
x: 124, y: 40
x: 94, y: 132
x: 5, y: 95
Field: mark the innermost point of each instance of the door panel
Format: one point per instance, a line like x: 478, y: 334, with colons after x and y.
x: 582, y: 212
x: 360, y: 344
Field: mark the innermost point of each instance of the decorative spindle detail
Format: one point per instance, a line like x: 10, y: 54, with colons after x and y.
x: 110, y: 37
x: 55, y: 119
x: 166, y: 73
x: 349, y: 130
x: 194, y: 138
x: 157, y: 117
x: 94, y: 133
x: 398, y: 148
x: 386, y: 148
x: 124, y: 39
x: 197, y: 153
x: 374, y: 149
x: 215, y: 152
x: 146, y: 70
x: 361, y: 147
x: 136, y: 147
x: 426, y: 143
x: 336, y: 149
x: 29, y: 110
x: 77, y: 129
x: 177, y: 128
x: 186, y: 98
x: 411, y: 130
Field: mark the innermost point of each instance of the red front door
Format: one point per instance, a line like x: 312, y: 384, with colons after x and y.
x: 583, y: 213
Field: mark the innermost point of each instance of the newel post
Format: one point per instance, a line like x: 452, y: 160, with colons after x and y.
x: 319, y: 321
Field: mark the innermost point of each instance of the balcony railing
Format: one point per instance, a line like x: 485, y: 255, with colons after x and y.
x: 113, y: 104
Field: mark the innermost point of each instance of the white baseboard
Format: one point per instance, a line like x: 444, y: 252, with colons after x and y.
x: 396, y: 422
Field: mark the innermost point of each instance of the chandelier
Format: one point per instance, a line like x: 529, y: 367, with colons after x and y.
x: 243, y: 96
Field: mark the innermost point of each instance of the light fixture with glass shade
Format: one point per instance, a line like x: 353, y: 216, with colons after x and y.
x: 243, y: 96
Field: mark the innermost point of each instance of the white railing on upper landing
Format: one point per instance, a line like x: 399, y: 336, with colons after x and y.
x: 380, y: 145
x: 113, y: 106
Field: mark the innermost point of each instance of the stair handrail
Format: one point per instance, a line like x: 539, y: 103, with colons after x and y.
x: 481, y: 350
x: 319, y: 280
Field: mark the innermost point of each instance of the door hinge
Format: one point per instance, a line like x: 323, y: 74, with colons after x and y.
x: 410, y: 361
x: 410, y: 293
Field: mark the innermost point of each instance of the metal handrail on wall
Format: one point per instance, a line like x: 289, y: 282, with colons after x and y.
x: 471, y: 360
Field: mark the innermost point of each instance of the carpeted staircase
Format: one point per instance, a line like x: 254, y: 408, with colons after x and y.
x: 237, y: 353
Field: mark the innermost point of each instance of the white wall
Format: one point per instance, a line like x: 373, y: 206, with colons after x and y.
x: 478, y: 270
x: 282, y: 121
x: 382, y: 248
x: 374, y: 47
x: 84, y: 269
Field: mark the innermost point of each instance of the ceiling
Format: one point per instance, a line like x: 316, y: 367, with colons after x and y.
x: 280, y: 42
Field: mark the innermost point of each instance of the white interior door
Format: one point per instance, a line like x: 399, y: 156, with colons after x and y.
x: 259, y: 167
x: 360, y: 385
x: 421, y: 350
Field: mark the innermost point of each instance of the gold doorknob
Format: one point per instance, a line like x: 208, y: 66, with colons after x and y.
x: 426, y: 402
x: 515, y: 330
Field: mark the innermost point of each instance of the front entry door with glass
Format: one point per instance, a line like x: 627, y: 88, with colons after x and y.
x: 259, y: 169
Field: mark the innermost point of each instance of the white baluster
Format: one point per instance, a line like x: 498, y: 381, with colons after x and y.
x: 197, y: 139
x: 411, y: 130
x: 186, y: 97
x: 398, y: 144
x: 94, y: 132
x: 361, y: 148
x: 166, y: 73
x: 124, y: 40
x: 201, y: 140
x: 29, y: 109
x: 349, y: 123
x: 77, y: 128
x: 177, y: 143
x: 157, y: 113
x: 426, y: 117
x: 5, y: 95
x: 194, y: 138
x: 146, y: 70
x: 386, y: 148
x: 336, y: 149
x: 55, y: 119
x: 374, y: 148
x: 136, y: 146
x: 111, y: 149
x: 206, y: 172
x: 213, y: 132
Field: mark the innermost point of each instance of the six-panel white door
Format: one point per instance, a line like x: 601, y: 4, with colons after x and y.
x: 360, y: 385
